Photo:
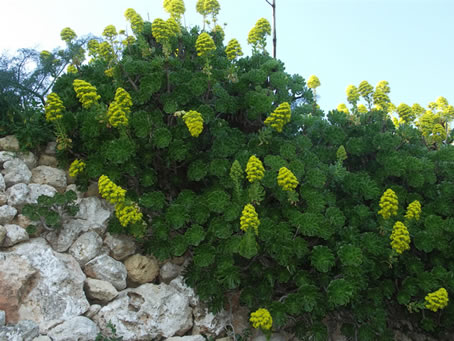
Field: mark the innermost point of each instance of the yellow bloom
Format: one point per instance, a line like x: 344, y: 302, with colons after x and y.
x: 362, y: 109
x: 86, y: 93
x: 254, y: 169
x: 343, y: 108
x: 106, y: 51
x: 93, y: 46
x: 405, y: 113
x: 313, y: 82
x: 341, y: 154
x: 110, y: 32
x: 352, y: 94
x: 249, y: 219
x: 286, y: 179
x: 76, y: 167
x: 206, y: 7
x: 44, y: 56
x: 53, y: 108
x: 71, y: 69
x: 109, y: 72
x: 437, y: 300
x: 135, y: 19
x: 194, y: 122
x: 128, y: 214
x: 258, y: 33
x: 220, y: 30
x: 389, y: 204
x: 204, y: 44
x: 233, y: 49
x: 67, y: 34
x: 400, y: 238
x: 175, y: 8
x: 164, y: 30
x: 119, y: 108
x: 110, y: 191
x: 261, y: 319
x: 280, y: 117
x: 413, y: 210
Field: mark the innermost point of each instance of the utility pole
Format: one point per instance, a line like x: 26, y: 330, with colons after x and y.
x: 272, y: 3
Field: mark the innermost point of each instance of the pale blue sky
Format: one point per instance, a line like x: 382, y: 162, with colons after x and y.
x: 409, y: 43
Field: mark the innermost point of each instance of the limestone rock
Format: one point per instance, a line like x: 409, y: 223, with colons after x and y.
x: 23, y: 221
x: 3, y: 196
x: 36, y: 190
x: 86, y: 247
x: 57, y: 290
x: 46, y: 175
x: 51, y: 148
x: 2, y: 318
x: 108, y: 269
x: 77, y: 328
x: 142, y: 269
x: 2, y: 183
x: 17, y: 194
x: 92, y: 190
x: 16, y: 171
x: 42, y: 338
x: 179, y: 284
x: 259, y: 336
x: 99, y: 290
x: 23, y: 331
x: 14, y: 235
x: 2, y: 234
x: 29, y: 158
x: 169, y: 271
x: 48, y: 160
x: 6, y: 156
x: 208, y: 323
x: 187, y: 338
x: 120, y: 246
x: 147, y: 312
x: 9, y: 143
x: 93, y: 310
x: 62, y: 240
x: 94, y: 211
x: 16, y: 277
x: 7, y: 214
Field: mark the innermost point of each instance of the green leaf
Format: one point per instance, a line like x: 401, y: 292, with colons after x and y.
x: 176, y: 216
x: 44, y: 200
x: 256, y: 193
x: 350, y: 255
x: 179, y: 245
x: 194, y: 235
x: 248, y: 247
x: 162, y: 137
x: 322, y: 258
x: 70, y: 196
x: 30, y: 212
x: 52, y: 218
x: 339, y: 292
x: 197, y: 170
x: 217, y: 201
x: 153, y: 200
x: 204, y: 255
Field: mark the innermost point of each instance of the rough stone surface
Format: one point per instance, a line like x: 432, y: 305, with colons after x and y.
x: 187, y: 338
x: 3, y: 196
x: 46, y: 175
x: 42, y: 338
x: 23, y: 221
x: 57, y: 289
x: 17, y: 194
x: 23, y: 331
x: 6, y: 156
x: 2, y: 183
x: 86, y: 247
x: 94, y: 211
x: 142, y: 269
x: 169, y: 271
x: 16, y: 171
x: 2, y: 318
x: 9, y: 143
x: 180, y: 286
x: 7, y: 214
x: 108, y: 269
x: 14, y: 235
x: 77, y: 328
x: 259, y: 336
x: 206, y: 322
x: 51, y: 148
x: 62, y: 240
x: 36, y: 190
x: 2, y: 234
x: 93, y: 310
x: 121, y: 246
x: 99, y: 290
x: 47, y: 160
x: 29, y: 158
x: 146, y: 312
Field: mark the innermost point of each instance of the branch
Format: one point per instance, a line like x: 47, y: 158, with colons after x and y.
x: 269, y: 3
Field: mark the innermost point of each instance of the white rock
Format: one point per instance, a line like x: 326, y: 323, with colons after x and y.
x: 2, y: 234
x: 99, y: 290
x: 62, y: 240
x: 142, y: 269
x: 36, y: 190
x: 2, y: 318
x: 6, y: 156
x: 2, y: 183
x: 57, y: 291
x: 7, y: 214
x: 179, y: 284
x: 73, y: 187
x: 46, y: 175
x: 42, y: 338
x: 93, y: 310
x: 147, y: 312
x: 94, y: 211
x: 16, y: 171
x: 23, y: 331
x: 169, y: 271
x: 51, y: 148
x: 86, y: 247
x: 77, y: 328
x: 17, y: 194
x: 9, y: 143
x: 121, y: 246
x: 47, y: 160
x: 29, y: 158
x: 3, y: 197
x: 108, y: 269
x: 186, y: 338
x: 208, y: 323
x: 14, y: 235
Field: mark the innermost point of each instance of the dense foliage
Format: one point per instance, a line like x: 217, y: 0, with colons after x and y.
x: 231, y: 161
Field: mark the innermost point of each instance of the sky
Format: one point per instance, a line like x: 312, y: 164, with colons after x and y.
x: 409, y: 43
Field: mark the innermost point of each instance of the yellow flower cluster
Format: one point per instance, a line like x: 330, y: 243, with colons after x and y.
x: 204, y: 44
x: 400, y: 238
x: 389, y: 204
x: 341, y: 153
x: 71, y: 69
x: 67, y: 34
x: 206, y: 7
x: 313, y: 82
x: 286, y: 179
x: 135, y: 19
x: 233, y: 49
x: 279, y: 117
x: 194, y: 122
x: 352, y: 94
x: 220, y: 30
x: 249, y: 219
x: 164, y: 30
x: 76, y: 167
x: 437, y: 300
x: 110, y: 32
x: 93, y: 46
x: 106, y: 51
x: 119, y: 108
x: 365, y: 89
x: 413, y: 210
x: 254, y: 169
x: 259, y: 32
x: 343, y: 108
x: 128, y: 214
x: 86, y: 93
x: 44, y: 55
x: 53, y: 108
x: 261, y: 319
x: 362, y: 109
x: 175, y: 8
x: 109, y: 72
x: 110, y: 191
